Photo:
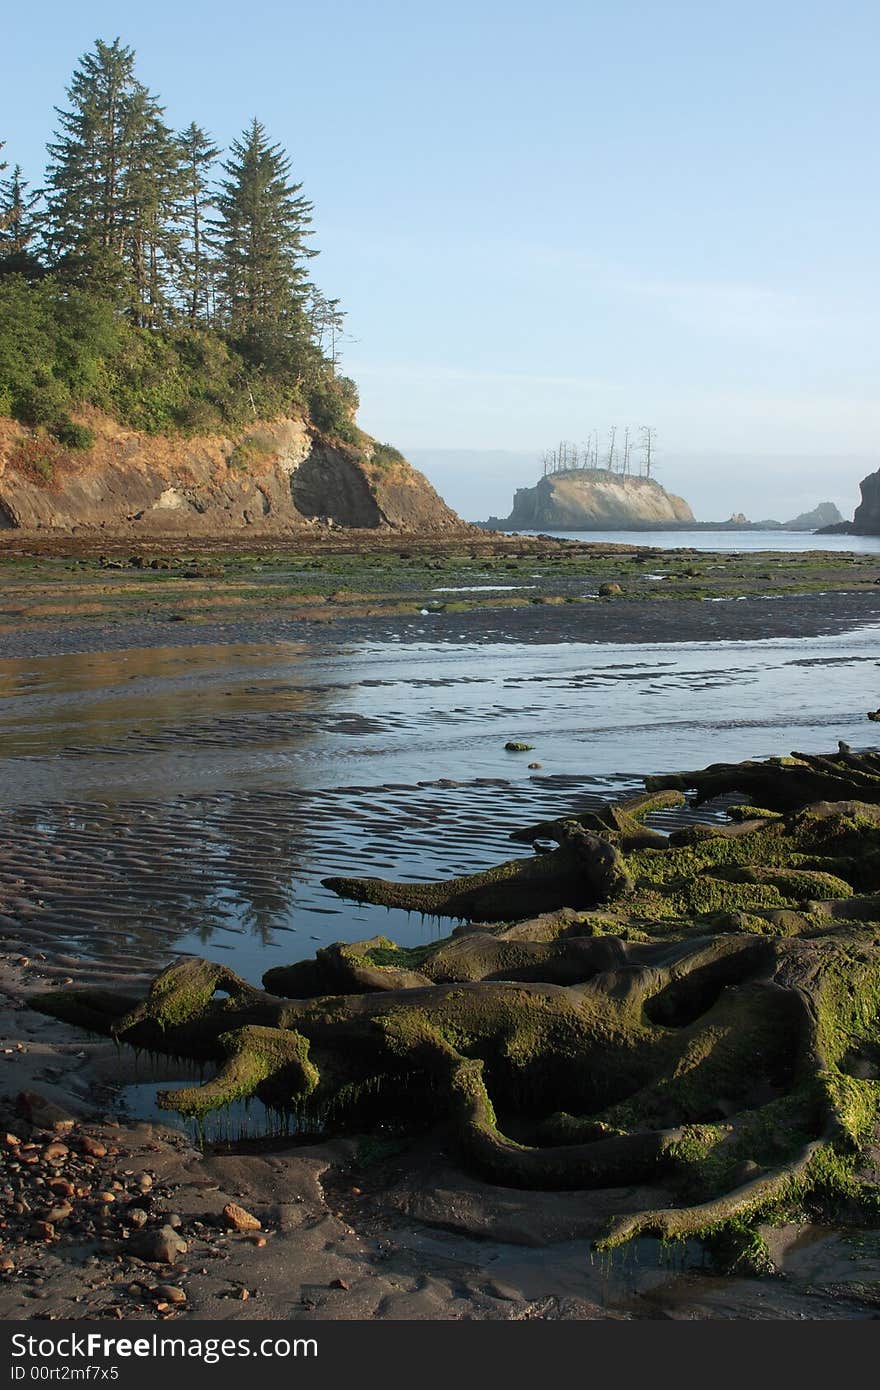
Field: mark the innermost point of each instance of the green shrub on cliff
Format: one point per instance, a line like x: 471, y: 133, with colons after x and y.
x: 330, y: 406
x: 61, y: 349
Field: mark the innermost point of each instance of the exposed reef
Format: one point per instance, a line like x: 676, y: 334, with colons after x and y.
x: 696, y: 1014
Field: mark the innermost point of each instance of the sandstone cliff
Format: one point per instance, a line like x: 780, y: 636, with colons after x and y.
x: 280, y: 475
x: 594, y: 499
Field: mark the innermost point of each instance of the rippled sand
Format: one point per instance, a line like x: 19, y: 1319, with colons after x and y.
x: 189, y: 798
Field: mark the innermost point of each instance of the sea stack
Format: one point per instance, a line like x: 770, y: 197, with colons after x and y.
x: 594, y: 499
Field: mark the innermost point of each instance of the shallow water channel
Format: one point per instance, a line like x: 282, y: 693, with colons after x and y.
x: 191, y: 798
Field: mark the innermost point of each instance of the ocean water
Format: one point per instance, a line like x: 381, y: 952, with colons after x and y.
x: 728, y: 541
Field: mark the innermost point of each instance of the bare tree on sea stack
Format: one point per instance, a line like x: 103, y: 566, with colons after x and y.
x: 649, y: 437
x: 611, y: 438
x: 568, y: 457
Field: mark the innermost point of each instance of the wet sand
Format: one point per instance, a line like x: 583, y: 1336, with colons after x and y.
x: 741, y: 619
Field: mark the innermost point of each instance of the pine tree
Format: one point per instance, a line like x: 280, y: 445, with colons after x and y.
x: 85, y: 201
x: 152, y: 199
x: 113, y: 186
x: 261, y: 230
x: 19, y: 224
x: 197, y: 155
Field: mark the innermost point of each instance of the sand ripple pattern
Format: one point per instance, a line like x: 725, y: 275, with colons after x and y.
x: 138, y: 882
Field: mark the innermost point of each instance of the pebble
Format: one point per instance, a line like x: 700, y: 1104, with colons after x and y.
x: 92, y: 1148
x: 171, y: 1293
x: 59, y: 1213
x: 238, y: 1219
x: 159, y: 1247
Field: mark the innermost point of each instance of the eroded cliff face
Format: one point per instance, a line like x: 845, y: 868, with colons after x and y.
x: 595, y: 499
x: 280, y: 475
x: 866, y: 521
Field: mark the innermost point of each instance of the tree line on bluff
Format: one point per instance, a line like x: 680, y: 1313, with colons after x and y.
x: 150, y: 279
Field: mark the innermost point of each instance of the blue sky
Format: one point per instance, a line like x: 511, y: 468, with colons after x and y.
x: 545, y: 220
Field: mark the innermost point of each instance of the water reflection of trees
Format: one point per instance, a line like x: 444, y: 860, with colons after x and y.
x: 257, y: 859
x: 128, y: 884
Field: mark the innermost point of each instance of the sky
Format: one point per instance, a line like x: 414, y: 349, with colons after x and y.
x: 545, y: 220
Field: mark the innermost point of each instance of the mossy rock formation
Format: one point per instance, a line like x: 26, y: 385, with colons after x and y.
x: 696, y: 1014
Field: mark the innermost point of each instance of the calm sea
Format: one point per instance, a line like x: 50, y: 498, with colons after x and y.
x: 720, y: 540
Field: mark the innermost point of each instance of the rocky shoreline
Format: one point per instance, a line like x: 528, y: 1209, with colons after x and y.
x: 341, y: 1236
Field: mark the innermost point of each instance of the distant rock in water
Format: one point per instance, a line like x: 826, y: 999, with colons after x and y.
x: 826, y: 514
x: 594, y: 499
x: 866, y: 521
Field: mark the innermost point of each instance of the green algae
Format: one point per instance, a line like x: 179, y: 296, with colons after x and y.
x: 709, y: 1023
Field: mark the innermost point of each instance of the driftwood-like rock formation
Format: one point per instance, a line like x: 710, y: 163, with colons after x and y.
x: 695, y: 1014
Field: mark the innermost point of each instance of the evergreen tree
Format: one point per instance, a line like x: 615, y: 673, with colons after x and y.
x: 126, y: 228
x: 261, y: 230
x: 197, y: 155
x: 113, y: 185
x: 19, y: 224
x: 86, y: 174
x: 152, y: 198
